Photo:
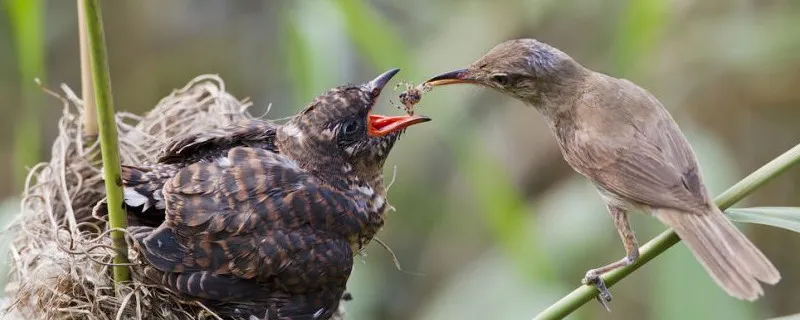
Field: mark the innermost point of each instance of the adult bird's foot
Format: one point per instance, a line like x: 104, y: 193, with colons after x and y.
x: 604, y: 297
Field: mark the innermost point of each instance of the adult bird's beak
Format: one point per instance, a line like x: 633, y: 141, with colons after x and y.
x: 452, y: 77
x: 382, y: 125
x: 376, y: 85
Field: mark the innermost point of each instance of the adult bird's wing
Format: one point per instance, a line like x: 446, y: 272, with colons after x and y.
x: 640, y: 154
x: 252, y: 215
x: 206, y: 145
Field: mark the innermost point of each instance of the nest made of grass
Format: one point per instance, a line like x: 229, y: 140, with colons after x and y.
x: 61, y: 253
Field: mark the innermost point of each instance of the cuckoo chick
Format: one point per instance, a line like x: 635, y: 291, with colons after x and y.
x: 263, y: 220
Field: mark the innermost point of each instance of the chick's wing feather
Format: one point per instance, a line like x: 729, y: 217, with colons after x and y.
x: 205, y: 145
x: 251, y: 215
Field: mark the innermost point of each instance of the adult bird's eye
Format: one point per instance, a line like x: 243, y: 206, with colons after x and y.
x: 501, y: 79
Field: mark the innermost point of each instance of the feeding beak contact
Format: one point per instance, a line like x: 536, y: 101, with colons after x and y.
x: 379, y: 125
x: 382, y: 125
x: 452, y: 77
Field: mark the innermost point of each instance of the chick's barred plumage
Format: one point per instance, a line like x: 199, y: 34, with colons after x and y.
x: 143, y: 184
x: 263, y: 220
x: 203, y: 146
x: 255, y: 216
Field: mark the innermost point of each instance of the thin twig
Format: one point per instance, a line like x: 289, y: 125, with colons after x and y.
x: 394, y: 258
x: 394, y: 176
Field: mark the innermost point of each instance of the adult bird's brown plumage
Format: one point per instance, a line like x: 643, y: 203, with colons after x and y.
x: 621, y: 137
x: 263, y: 220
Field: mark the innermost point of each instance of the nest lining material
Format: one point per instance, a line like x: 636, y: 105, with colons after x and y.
x: 60, y: 253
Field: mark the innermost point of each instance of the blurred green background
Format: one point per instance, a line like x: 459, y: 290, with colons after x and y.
x: 487, y: 211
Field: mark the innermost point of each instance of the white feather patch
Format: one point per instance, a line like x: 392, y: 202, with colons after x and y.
x: 367, y: 190
x: 379, y: 201
x: 135, y: 199
x: 223, y: 161
x: 159, y: 200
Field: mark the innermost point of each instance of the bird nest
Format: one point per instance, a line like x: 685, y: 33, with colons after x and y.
x: 60, y: 251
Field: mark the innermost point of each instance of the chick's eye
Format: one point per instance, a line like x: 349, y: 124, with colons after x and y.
x: 350, y: 128
x: 501, y: 79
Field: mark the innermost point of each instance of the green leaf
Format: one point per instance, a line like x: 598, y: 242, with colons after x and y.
x: 298, y: 58
x: 782, y: 217
x: 638, y: 32
x: 26, y: 19
x: 27, y: 24
x: 381, y: 44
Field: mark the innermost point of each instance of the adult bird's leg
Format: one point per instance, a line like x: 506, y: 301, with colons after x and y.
x: 620, y: 217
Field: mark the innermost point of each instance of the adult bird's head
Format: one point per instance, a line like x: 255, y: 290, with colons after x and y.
x: 526, y: 69
x: 337, y: 134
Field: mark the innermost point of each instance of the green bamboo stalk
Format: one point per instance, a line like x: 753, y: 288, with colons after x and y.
x: 117, y: 218
x: 667, y: 239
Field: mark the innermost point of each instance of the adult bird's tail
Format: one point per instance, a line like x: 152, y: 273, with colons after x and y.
x: 728, y: 256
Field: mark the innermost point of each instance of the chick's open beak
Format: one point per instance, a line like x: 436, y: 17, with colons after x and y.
x: 382, y: 125
x: 452, y: 77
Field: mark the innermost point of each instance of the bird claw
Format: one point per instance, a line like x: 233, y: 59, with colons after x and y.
x: 604, y: 297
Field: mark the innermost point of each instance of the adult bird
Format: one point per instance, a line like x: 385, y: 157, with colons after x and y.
x: 624, y: 141
x: 267, y: 227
